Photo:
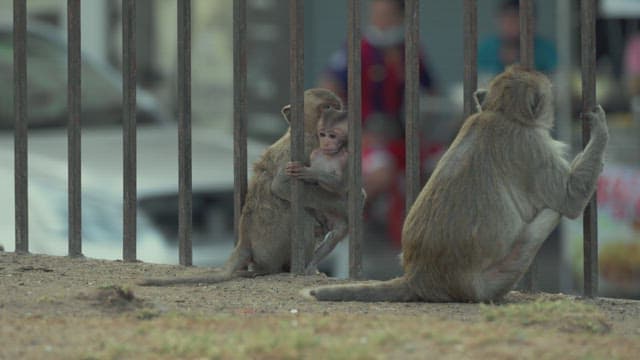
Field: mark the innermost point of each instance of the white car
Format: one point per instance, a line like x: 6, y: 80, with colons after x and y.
x: 48, y: 214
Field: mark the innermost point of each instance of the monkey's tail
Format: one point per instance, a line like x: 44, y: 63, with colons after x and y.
x: 240, y: 258
x: 215, y: 277
x: 394, y: 290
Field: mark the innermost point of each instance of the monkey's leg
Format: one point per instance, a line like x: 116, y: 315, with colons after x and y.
x: 327, y: 245
x: 499, y: 278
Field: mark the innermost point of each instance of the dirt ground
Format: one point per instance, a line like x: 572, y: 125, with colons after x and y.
x: 58, y: 307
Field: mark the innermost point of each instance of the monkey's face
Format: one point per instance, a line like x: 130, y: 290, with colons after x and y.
x: 332, y: 139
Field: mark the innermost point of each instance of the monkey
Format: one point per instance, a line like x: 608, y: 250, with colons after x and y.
x: 494, y: 197
x: 327, y: 166
x: 264, y: 242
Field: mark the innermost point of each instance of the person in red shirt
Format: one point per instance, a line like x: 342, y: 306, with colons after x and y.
x: 383, y: 145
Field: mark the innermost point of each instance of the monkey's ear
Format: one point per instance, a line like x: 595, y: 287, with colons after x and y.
x: 479, y: 96
x: 286, y: 113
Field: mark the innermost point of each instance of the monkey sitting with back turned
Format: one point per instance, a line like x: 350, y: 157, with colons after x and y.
x: 494, y: 197
x: 326, y: 168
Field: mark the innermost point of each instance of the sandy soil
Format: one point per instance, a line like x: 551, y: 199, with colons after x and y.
x: 49, y: 289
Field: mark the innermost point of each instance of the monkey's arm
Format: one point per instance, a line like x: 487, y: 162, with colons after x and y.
x: 331, y: 182
x: 312, y: 196
x: 570, y: 189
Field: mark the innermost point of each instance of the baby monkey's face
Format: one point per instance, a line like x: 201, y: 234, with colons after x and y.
x: 332, y: 139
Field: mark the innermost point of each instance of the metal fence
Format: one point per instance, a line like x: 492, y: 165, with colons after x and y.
x: 296, y: 58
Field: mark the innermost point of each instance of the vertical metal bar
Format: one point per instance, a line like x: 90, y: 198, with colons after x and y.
x: 184, y: 131
x: 527, y: 60
x: 470, y: 55
x: 564, y: 40
x: 20, y: 135
x: 412, y: 104
x: 590, y: 223
x: 74, y: 102
x: 129, y: 127
x: 562, y: 83
x: 296, y: 59
x: 355, y: 144
x: 239, y: 109
x: 526, y: 34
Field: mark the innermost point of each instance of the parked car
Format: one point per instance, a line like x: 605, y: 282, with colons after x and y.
x: 157, y: 160
x: 48, y: 214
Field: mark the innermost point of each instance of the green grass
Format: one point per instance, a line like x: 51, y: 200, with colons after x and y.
x: 546, y: 329
x: 565, y: 315
x: 540, y: 329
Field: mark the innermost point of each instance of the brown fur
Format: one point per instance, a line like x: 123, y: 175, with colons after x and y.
x: 264, y: 240
x: 493, y: 199
x: 327, y: 172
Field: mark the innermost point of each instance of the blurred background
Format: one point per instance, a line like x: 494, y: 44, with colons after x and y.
x: 441, y: 41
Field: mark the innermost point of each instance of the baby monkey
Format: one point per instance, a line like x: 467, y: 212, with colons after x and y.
x: 327, y: 166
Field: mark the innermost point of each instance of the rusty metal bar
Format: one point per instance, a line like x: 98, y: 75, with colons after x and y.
x: 412, y: 102
x: 184, y: 132
x: 527, y: 58
x: 355, y: 135
x: 74, y: 103
x: 239, y: 109
x: 20, y: 135
x: 565, y: 36
x: 470, y: 55
x: 590, y: 223
x: 129, y: 128
x: 296, y: 59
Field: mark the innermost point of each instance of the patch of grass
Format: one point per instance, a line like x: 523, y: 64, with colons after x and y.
x: 565, y: 315
x: 336, y: 336
x: 147, y: 314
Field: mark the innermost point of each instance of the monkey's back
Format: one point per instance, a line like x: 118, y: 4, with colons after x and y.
x: 473, y: 206
x: 265, y: 216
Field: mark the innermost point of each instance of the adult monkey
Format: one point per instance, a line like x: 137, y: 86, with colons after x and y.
x: 492, y: 200
x: 264, y: 239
